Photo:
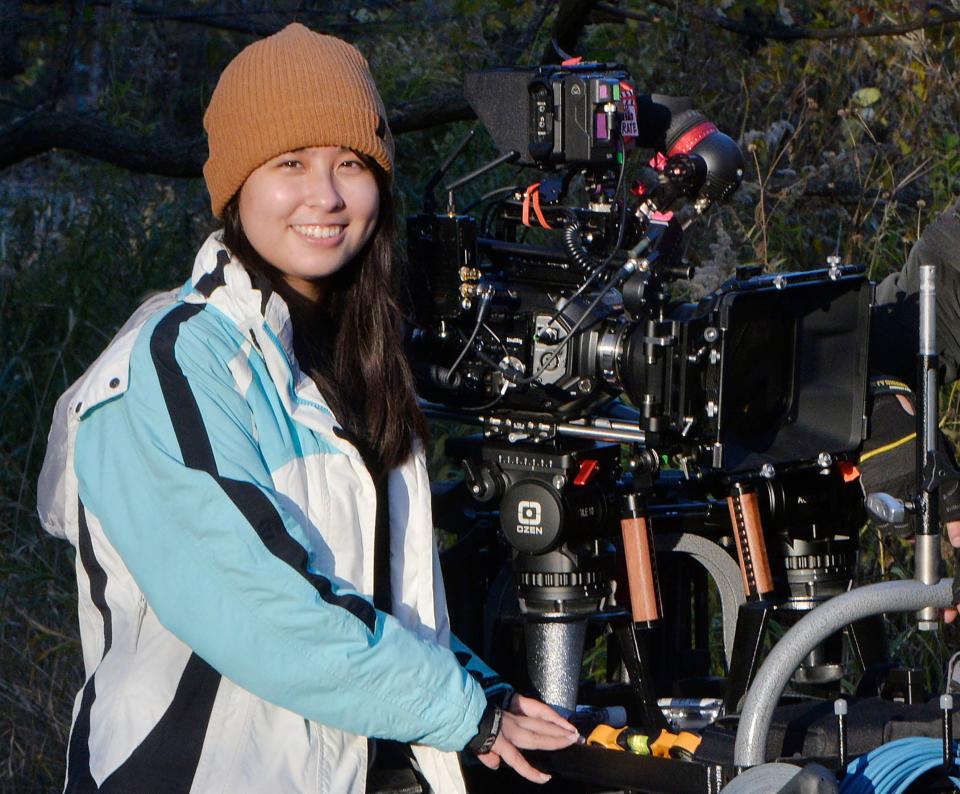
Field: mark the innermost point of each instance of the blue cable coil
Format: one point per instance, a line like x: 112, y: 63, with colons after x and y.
x: 893, y: 767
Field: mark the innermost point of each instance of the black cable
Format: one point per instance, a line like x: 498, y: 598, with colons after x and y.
x: 548, y: 362
x: 602, y: 265
x: 486, y: 406
x: 497, y: 339
x: 481, y: 311
x: 489, y: 195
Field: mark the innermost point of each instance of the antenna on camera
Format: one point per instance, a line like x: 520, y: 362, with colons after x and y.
x: 451, y: 188
x: 429, y: 199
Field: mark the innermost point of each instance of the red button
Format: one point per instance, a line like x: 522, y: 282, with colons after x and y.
x: 587, y: 469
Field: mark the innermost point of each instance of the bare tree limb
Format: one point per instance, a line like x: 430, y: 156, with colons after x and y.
x: 67, y: 53
x: 778, y: 32
x: 430, y: 112
x: 514, y: 51
x: 155, y: 153
x: 843, y: 190
x: 241, y: 23
x: 271, y: 20
x: 164, y: 154
x: 608, y: 12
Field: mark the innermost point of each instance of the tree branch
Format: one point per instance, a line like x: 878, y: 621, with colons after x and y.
x: 154, y: 153
x: 240, y: 22
x: 778, y: 32
x: 843, y: 190
x: 515, y: 51
x: 168, y: 155
x: 430, y: 112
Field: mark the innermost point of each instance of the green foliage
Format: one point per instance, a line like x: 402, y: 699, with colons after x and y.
x: 76, y: 261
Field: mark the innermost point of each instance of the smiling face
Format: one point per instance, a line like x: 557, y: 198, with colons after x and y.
x: 309, y: 212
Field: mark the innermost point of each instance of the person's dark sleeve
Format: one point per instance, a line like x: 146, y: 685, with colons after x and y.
x: 894, y: 334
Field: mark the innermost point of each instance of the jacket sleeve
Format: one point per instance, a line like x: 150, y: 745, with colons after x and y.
x: 494, y: 687
x: 173, y: 473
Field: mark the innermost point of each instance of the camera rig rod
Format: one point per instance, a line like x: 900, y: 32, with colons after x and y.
x: 600, y: 428
x: 451, y: 188
x: 927, y: 556
x: 603, y: 429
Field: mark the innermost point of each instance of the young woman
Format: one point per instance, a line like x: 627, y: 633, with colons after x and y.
x: 242, y: 477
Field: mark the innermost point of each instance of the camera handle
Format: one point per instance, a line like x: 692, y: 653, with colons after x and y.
x: 751, y: 545
x: 640, y: 557
x: 633, y: 636
x: 757, y: 578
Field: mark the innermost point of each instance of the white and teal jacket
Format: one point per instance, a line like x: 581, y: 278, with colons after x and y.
x: 224, y: 537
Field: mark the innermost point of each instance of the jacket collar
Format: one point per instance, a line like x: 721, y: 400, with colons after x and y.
x: 219, y: 279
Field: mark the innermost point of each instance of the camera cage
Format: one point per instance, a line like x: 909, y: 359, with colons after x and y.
x: 741, y: 410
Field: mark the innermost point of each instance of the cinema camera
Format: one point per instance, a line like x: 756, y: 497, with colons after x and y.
x: 609, y: 408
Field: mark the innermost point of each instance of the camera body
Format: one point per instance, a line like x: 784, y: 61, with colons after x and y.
x: 747, y: 376
x: 576, y: 115
x: 557, y: 333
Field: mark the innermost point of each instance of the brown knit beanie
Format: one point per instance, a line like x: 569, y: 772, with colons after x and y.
x: 290, y: 90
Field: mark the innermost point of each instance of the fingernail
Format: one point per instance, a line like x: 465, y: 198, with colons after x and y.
x: 545, y: 778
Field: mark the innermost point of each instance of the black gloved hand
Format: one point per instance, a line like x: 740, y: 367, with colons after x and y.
x: 888, y: 460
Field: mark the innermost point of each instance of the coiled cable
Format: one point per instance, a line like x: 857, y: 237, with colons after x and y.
x: 893, y: 767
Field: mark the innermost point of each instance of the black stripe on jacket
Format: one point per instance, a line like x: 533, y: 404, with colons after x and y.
x: 197, y: 453
x: 165, y: 762
x: 79, y: 779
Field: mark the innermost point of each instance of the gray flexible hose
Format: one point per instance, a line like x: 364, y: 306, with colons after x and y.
x: 828, y: 618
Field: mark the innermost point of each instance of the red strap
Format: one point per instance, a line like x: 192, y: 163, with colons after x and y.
x: 533, y: 192
x: 525, y: 214
x: 536, y: 209
x: 572, y: 61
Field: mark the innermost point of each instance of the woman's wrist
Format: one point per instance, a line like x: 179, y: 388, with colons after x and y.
x: 488, y: 729
x: 504, y: 699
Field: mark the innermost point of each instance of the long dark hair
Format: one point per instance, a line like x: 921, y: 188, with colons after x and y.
x: 351, y: 344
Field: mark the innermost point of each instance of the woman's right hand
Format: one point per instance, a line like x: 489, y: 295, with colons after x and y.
x: 528, y: 724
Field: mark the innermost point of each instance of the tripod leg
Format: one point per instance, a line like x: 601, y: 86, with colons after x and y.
x: 635, y: 650
x: 868, y: 640
x: 747, y: 645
